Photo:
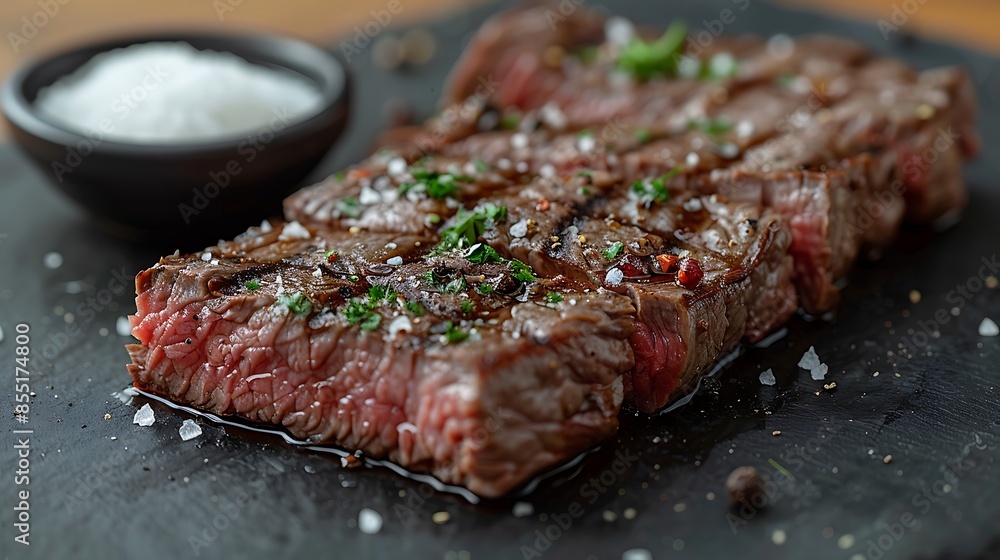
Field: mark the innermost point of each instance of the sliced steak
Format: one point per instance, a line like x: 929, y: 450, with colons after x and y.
x: 512, y: 388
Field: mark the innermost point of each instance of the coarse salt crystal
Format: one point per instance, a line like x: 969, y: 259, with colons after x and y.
x: 206, y: 257
x: 988, y: 328
x: 767, y: 377
x: 294, y: 230
x: 614, y: 277
x: 519, y: 140
x: 318, y: 273
x: 396, y: 166
x: 586, y: 143
x: 399, y: 324
x: 637, y: 554
x: 819, y: 372
x: 265, y: 227
x: 523, y: 509
x: 189, y: 430
x: 52, y: 260
x: 144, y: 416
x: 369, y: 521
x: 520, y: 229
x: 123, y: 327
x: 395, y: 261
x: 810, y: 360
x: 369, y: 196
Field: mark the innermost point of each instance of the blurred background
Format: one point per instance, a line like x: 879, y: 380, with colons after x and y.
x: 969, y: 22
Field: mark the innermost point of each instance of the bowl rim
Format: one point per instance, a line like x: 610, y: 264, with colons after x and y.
x: 22, y: 114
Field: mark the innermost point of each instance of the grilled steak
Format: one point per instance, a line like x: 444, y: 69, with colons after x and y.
x: 480, y: 298
x: 854, y: 141
x: 256, y: 332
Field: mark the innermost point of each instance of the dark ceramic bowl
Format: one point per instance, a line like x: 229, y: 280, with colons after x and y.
x: 191, y: 189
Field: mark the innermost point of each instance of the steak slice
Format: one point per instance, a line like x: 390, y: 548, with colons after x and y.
x: 564, y: 226
x: 483, y: 395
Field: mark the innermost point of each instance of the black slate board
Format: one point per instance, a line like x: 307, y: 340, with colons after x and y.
x: 106, y: 488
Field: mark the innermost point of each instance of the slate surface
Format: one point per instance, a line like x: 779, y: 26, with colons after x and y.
x: 105, y: 488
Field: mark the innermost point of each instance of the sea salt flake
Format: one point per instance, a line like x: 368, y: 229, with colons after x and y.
x: 369, y: 196
x: 206, y: 257
x: 520, y: 229
x: 819, y: 372
x: 396, y: 166
x: 988, y: 328
x: 123, y: 327
x: 523, y: 509
x: 52, y: 260
x: 395, y: 261
x: 637, y: 554
x: 265, y: 227
x: 369, y: 521
x: 189, y: 430
x: 614, y: 277
x: 810, y: 360
x: 144, y: 416
x: 294, y: 230
x: 767, y: 377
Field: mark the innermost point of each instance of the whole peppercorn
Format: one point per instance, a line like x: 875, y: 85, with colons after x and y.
x: 745, y: 486
x: 689, y: 273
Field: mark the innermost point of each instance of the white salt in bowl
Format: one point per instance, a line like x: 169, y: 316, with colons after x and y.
x: 165, y: 174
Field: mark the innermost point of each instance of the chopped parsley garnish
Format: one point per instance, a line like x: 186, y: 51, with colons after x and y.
x: 340, y: 175
x: 297, y: 303
x: 584, y: 133
x: 522, y: 271
x: 467, y: 306
x: 330, y: 255
x: 645, y: 60
x: 585, y: 173
x: 484, y: 289
x: 455, y: 286
x: 614, y: 250
x: 433, y: 218
x: 354, y: 277
x: 510, y: 121
x: 642, y: 135
x: 587, y: 54
x: 655, y: 189
x: 363, y: 311
x: 481, y: 253
x: 349, y: 207
x: 252, y: 285
x: 415, y: 308
x: 711, y: 127
x: 453, y: 333
x: 585, y: 191
x: 482, y: 166
x: 553, y: 297
x: 468, y: 225
x: 435, y: 184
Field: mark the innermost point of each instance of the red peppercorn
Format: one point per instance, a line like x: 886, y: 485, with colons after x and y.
x: 689, y: 273
x: 667, y: 262
x: 332, y: 257
x: 543, y: 205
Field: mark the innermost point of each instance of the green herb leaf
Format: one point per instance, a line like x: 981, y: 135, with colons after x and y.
x: 453, y: 333
x: 466, y: 306
x: 481, y: 253
x: 455, y: 286
x: 553, y: 297
x: 371, y: 322
x: 510, y: 121
x: 252, y: 285
x: 522, y: 271
x: 484, y: 289
x: 415, y: 308
x: 614, y: 250
x: 711, y: 127
x: 468, y: 225
x: 349, y: 207
x: 645, y: 60
x: 655, y: 189
x: 482, y: 166
x: 435, y: 184
x: 298, y: 303
x: 642, y: 135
